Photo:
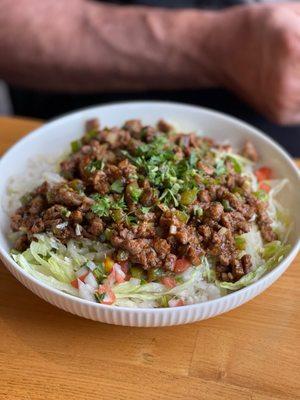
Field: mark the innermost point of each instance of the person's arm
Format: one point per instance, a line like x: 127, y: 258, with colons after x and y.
x: 259, y: 49
x: 81, y: 45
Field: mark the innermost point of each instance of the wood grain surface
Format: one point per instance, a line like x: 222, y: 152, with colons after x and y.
x: 251, y: 353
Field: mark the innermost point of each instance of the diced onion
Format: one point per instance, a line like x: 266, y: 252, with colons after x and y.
x: 91, y: 265
x: 86, y: 291
x: 135, y: 281
x: 53, y: 178
x: 173, y: 229
x: 78, y: 230
x: 91, y: 280
x: 174, y: 303
x: 63, y: 225
x: 118, y: 270
x: 82, y: 271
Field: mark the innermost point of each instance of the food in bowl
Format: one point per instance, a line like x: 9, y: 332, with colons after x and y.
x: 144, y: 216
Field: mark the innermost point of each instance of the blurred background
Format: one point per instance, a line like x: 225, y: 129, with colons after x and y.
x: 238, y: 57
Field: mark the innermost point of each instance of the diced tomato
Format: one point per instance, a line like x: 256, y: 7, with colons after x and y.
x: 264, y: 186
x: 120, y: 274
x: 169, y: 281
x: 263, y: 174
x: 74, y: 283
x: 176, y: 303
x: 120, y: 278
x: 109, y: 297
x: 181, y: 265
x: 111, y: 277
x: 116, y: 275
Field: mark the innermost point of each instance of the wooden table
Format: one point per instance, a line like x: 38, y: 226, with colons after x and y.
x: 249, y: 353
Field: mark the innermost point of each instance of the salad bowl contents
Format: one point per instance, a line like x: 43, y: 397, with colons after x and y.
x: 144, y: 216
x: 144, y: 224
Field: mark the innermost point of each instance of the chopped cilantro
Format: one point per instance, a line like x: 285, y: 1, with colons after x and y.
x: 105, y: 204
x: 99, y: 273
x: 99, y: 296
x: 236, y: 164
x: 102, y: 206
x: 65, y: 212
x: 261, y: 195
x: 142, y: 149
x: 193, y: 159
x: 145, y: 210
x: 95, y: 165
x: 96, y: 196
x: 197, y: 210
x: 119, y: 204
x: 220, y: 168
x: 117, y: 186
x: 134, y: 191
x: 131, y: 219
x: 170, y: 195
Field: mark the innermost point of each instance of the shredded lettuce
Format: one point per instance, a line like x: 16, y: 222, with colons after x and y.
x: 33, y: 270
x: 56, y: 264
x: 59, y: 267
x: 240, y: 163
x: 208, y: 270
x: 270, y: 249
x: 253, y: 245
x: 133, y: 289
x: 193, y: 288
x: 279, y: 215
x: 254, y: 275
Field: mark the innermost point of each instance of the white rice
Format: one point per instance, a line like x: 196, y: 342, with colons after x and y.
x: 38, y: 170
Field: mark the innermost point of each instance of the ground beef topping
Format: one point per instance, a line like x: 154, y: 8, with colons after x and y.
x: 161, y: 199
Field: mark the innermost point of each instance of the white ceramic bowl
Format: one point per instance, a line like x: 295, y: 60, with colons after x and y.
x: 55, y: 136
